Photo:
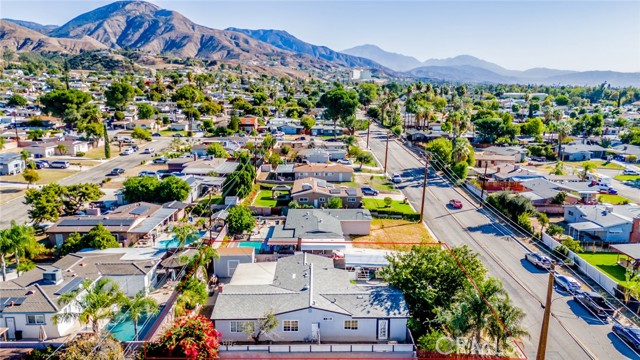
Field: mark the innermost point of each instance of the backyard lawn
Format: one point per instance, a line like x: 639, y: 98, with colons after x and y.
x: 265, y: 199
x: 606, y: 262
x: 393, y: 235
x: 613, y: 199
x: 396, y: 205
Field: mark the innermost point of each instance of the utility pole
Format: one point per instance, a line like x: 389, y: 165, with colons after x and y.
x: 424, y: 187
x: 484, y: 179
x: 542, y: 345
x: 368, y: 129
x: 386, y: 153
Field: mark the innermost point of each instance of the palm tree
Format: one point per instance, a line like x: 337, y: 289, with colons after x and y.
x: 424, y: 113
x: 137, y: 307
x: 461, y: 149
x: 563, y: 129
x: 349, y: 141
x: 20, y: 241
x: 96, y: 305
x: 182, y: 233
x: 388, y: 98
x: 587, y: 167
x: 507, y: 323
x: 459, y: 123
x: 558, y: 169
x: 61, y: 149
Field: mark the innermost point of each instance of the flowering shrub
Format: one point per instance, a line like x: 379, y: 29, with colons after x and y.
x: 189, y: 337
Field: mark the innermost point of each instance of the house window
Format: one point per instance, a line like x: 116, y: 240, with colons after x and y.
x: 351, y: 199
x: 303, y: 200
x: 290, y: 325
x: 351, y: 324
x: 321, y: 199
x: 240, y: 326
x: 35, y: 319
x: 570, y: 213
x: 328, y: 319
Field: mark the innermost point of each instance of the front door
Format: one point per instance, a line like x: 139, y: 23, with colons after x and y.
x: 315, y: 331
x: 11, y: 324
x: 315, y: 203
x: 383, y: 329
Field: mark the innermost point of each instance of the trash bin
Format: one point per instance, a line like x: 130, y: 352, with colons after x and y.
x: 18, y: 334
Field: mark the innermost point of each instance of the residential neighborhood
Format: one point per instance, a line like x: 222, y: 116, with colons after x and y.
x: 277, y: 204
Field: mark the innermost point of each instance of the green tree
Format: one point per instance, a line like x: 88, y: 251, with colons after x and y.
x: 234, y: 123
x: 100, y: 238
x: 141, y: 134
x: 107, y: 146
x: 460, y: 169
x: 367, y: 94
x: 217, y: 151
x: 57, y: 102
x: 364, y: 157
x: 172, y: 189
x: 71, y: 244
x: 563, y: 129
x: 429, y: 276
x: 240, y: 220
x: 387, y: 201
x: 101, y: 302
x: 137, y: 307
x: 30, y: 176
x: 533, y: 127
x: 35, y: 134
x: 210, y: 108
x: 145, y: 111
x: 20, y: 241
x: 506, y: 323
x: 17, y: 100
x: 182, y: 233
x: 334, y: 203
x: 61, y: 149
x: 45, y: 204
x: 441, y: 148
x: 307, y: 122
x: 266, y: 324
x: 74, y: 197
x: 137, y: 189
x: 119, y: 94
x: 339, y: 104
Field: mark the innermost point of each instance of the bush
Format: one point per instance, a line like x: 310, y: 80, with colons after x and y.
x: 525, y: 222
x: 392, y: 212
x: 387, y: 201
x: 80, y: 154
x: 143, y: 162
x: 554, y: 230
x: 189, y: 338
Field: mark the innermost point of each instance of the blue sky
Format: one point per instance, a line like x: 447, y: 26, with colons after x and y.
x: 575, y: 35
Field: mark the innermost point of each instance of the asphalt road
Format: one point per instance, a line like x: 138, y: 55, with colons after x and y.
x: 573, y: 334
x: 17, y: 210
x: 623, y: 189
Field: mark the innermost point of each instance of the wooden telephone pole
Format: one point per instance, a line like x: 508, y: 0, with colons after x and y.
x: 386, y: 153
x: 542, y: 345
x: 424, y: 187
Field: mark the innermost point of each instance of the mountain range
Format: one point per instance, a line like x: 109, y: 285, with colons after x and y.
x: 147, y: 27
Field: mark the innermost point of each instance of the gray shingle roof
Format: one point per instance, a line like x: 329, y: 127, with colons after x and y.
x: 299, y: 285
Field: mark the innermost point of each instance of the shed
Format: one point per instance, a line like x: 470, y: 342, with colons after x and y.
x: 229, y: 259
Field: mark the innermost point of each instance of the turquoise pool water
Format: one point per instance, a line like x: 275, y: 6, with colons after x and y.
x: 124, y: 330
x: 173, y: 243
x: 250, y: 244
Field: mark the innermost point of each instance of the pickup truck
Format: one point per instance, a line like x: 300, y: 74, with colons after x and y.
x: 595, y: 303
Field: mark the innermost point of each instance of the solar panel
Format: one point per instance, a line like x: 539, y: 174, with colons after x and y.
x: 17, y: 300
x: 71, y: 286
x: 351, y: 192
x: 139, y: 210
x: 334, y: 191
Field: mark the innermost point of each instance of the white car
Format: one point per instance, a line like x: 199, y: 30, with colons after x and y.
x: 629, y: 172
x: 345, y: 162
x: 396, y: 179
x: 127, y: 151
x: 148, y: 150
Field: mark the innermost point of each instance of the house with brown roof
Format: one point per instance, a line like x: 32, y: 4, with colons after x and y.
x: 128, y: 223
x: 327, y: 172
x: 248, y: 124
x: 316, y: 192
x: 29, y: 302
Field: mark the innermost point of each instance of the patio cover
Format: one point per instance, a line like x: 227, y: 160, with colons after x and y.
x: 585, y: 225
x: 631, y: 250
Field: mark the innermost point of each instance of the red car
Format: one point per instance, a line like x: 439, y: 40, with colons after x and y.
x: 457, y: 204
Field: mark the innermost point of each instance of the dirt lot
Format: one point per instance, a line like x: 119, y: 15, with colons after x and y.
x: 393, y: 235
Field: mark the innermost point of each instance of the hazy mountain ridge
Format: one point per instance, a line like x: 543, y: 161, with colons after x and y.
x: 285, y: 41
x: 394, y: 61
x: 19, y: 38
x: 43, y: 29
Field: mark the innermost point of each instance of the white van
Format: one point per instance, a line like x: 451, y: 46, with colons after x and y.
x: 599, y: 179
x: 59, y: 164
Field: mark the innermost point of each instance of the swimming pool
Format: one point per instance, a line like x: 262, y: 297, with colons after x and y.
x: 123, y: 330
x: 173, y: 243
x: 251, y: 244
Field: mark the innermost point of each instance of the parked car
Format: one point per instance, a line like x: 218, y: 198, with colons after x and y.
x: 455, y: 203
x: 396, y: 179
x: 567, y: 283
x: 148, y: 150
x: 177, y: 135
x: 135, y: 148
x: 630, y: 334
x: 345, y: 162
x: 116, y: 171
x: 629, y: 172
x: 594, y: 302
x: 160, y: 160
x: 59, y: 164
x: 538, y: 260
x: 367, y: 190
x: 127, y: 151
x: 42, y: 164
x: 147, y: 173
x: 611, y: 191
x: 156, y: 134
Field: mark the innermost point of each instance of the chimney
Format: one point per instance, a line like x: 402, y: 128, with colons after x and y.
x: 634, y: 235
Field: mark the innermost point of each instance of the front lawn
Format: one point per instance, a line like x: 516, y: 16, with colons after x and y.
x: 172, y: 132
x: 600, y: 164
x: 393, y: 235
x: 627, y: 177
x: 606, y: 262
x: 380, y: 183
x: 47, y: 176
x: 396, y: 206
x: 613, y: 199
